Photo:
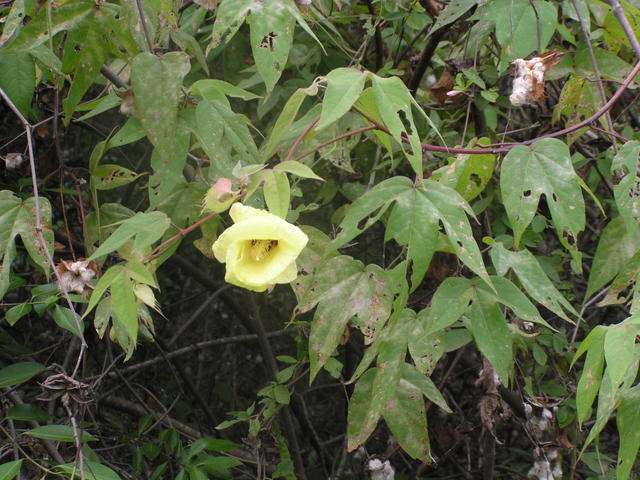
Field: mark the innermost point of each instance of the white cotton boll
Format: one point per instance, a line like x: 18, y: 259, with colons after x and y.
x: 75, y: 276
x: 13, y: 160
x: 381, y: 470
x: 557, y: 471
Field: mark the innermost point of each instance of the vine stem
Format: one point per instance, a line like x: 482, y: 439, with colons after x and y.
x: 508, y: 147
x: 618, y: 12
x: 335, y: 139
x: 38, y: 225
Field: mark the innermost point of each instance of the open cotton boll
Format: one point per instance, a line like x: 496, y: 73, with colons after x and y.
x: 381, y: 470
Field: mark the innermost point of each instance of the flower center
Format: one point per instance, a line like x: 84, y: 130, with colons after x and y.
x: 260, y: 249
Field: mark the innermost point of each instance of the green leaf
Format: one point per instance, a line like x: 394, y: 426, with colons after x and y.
x: 131, y: 131
x: 16, y: 312
x: 405, y: 416
x: 88, y: 47
x: 543, y: 168
x: 64, y: 318
x: 344, y: 86
x: 492, y: 334
x: 13, y: 20
x: 284, y: 121
x: 412, y: 375
x: 59, y: 433
x: 19, y: 372
x: 522, y: 26
x: 344, y: 288
x: 271, y: 36
x: 99, y: 106
x: 107, y: 176
x: 394, y: 101
x: 211, y: 89
x: 27, y: 412
x: 156, y: 83
x: 628, y: 422
x: 512, y: 297
x: 619, y: 350
x: 63, y: 17
x: 448, y: 304
x: 217, y: 124
x: 17, y: 217
x: 469, y: 174
x: 618, y: 244
x: 297, y: 168
x: 168, y: 161
x: 18, y: 79
x: 452, y: 12
x: 276, y: 192
x: 361, y: 419
x: 230, y: 16
x: 123, y: 302
x: 92, y: 471
x: 591, y: 376
x: 627, y: 191
x: 412, y: 223
x: 9, y: 470
x: 415, y: 221
x: 532, y: 277
x: 101, y: 287
x: 145, y: 227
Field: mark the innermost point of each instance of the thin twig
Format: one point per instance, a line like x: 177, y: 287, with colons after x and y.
x: 618, y: 12
x: 272, y: 369
x: 507, y: 148
x: 378, y: 37
x: 335, y: 139
x: 195, y: 347
x: 38, y: 225
x: 145, y: 29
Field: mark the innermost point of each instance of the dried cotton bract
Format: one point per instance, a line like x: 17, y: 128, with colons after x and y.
x: 528, y: 78
x: 260, y: 249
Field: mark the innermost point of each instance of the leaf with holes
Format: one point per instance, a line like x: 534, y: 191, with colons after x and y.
x: 469, y: 174
x: 107, y: 176
x: 230, y: 16
x: 627, y: 191
x: 543, y: 168
x: 85, y: 51
x: 394, y: 101
x: 532, y: 277
x: 17, y: 217
x: 619, y: 242
x: 344, y: 288
x: 271, y: 36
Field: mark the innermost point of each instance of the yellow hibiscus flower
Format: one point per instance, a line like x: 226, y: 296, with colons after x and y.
x: 260, y: 249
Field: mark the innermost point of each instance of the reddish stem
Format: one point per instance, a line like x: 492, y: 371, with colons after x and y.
x: 335, y: 139
x: 299, y: 140
x: 181, y: 233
